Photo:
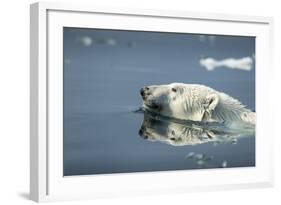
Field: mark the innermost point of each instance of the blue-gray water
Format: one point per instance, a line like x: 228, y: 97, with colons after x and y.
x: 103, y: 72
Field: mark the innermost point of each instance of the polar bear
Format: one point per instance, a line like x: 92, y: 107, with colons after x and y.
x: 195, y: 102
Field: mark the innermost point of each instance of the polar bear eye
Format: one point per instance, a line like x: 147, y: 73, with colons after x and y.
x: 174, y: 89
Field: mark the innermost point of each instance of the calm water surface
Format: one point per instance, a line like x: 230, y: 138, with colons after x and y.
x: 102, y: 78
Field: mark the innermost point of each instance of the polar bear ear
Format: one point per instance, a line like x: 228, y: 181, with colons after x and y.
x: 212, y: 101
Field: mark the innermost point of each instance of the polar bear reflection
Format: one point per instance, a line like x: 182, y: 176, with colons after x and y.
x: 169, y: 131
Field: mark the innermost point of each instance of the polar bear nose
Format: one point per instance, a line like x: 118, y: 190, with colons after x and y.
x: 140, y: 132
x: 143, y: 90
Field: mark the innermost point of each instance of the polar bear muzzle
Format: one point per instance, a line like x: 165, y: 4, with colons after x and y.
x: 144, y: 92
x: 149, y: 100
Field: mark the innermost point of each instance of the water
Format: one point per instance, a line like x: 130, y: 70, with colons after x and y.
x: 102, y: 78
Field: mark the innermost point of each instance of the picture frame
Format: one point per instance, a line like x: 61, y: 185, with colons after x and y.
x: 47, y: 182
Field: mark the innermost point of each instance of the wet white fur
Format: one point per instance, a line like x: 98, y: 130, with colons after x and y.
x: 197, y: 103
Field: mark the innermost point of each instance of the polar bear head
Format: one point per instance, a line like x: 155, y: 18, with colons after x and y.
x: 159, y: 98
x: 178, y: 100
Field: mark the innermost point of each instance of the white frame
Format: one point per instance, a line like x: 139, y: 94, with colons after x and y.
x: 47, y: 184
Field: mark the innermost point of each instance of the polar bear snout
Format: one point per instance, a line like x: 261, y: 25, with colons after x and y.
x: 153, y: 98
x: 144, y: 91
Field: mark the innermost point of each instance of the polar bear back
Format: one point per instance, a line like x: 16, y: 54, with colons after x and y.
x: 232, y: 110
x: 227, y: 109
